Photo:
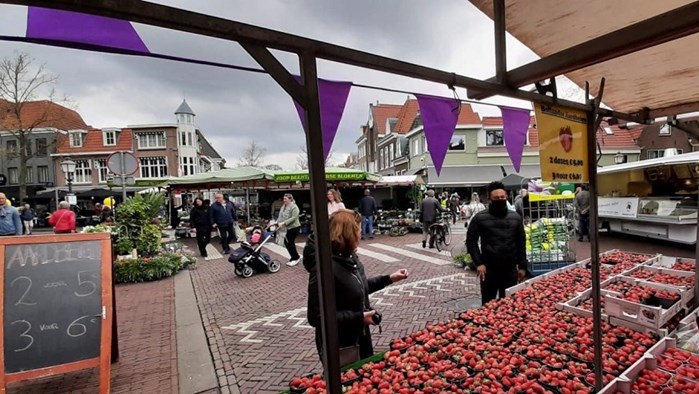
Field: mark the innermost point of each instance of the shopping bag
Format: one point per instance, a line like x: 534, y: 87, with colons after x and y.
x: 239, y: 235
x: 281, y: 235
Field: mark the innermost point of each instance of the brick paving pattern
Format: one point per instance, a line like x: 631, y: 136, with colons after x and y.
x: 147, y: 347
x: 257, y: 330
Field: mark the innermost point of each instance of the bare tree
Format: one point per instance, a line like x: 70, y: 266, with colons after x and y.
x: 21, y: 82
x: 252, y: 155
x: 273, y: 167
x: 302, y: 158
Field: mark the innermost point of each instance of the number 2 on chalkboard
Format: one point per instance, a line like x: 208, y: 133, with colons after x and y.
x: 24, y: 334
x: 29, y: 286
x: 88, y: 283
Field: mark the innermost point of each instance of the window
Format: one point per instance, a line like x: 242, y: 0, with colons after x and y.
x: 153, y: 167
x: 416, y: 147
x: 183, y: 138
x: 76, y: 139
x: 83, y: 172
x: 102, y: 171
x: 188, y: 165
x: 30, y: 175
x: 109, y: 137
x: 608, y: 130
x: 12, y: 147
x: 189, y: 139
x: 494, y: 138
x: 457, y: 143
x: 42, y: 173
x: 28, y: 148
x: 381, y: 163
x: 666, y: 129
x: 655, y: 153
x: 151, y: 140
x: 42, y: 147
x: 13, y: 175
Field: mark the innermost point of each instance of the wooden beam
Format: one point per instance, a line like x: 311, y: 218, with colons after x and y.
x: 276, y: 70
x: 680, y: 22
x: 500, y: 42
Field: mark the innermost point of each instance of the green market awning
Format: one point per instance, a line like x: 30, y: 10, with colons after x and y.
x: 225, y: 176
x: 332, y: 174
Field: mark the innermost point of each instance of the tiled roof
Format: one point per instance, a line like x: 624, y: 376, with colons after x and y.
x: 206, y: 148
x: 37, y: 114
x: 406, y: 116
x: 618, y: 138
x: 492, y: 121
x: 467, y: 116
x: 93, y: 142
x: 381, y: 112
x: 636, y: 131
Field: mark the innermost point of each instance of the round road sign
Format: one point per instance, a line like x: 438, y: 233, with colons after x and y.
x: 122, y: 163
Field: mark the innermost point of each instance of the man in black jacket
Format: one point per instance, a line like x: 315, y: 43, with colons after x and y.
x: 429, y: 211
x: 223, y: 216
x: 367, y: 208
x: 501, y: 258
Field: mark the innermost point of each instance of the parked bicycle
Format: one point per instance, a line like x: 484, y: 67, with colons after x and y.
x: 440, y: 232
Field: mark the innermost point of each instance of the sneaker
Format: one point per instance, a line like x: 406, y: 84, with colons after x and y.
x: 292, y: 263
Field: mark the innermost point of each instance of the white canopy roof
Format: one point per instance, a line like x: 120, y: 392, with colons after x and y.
x: 687, y: 158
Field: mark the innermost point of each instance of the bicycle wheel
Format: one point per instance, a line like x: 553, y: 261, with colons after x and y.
x: 439, y: 241
x: 447, y: 234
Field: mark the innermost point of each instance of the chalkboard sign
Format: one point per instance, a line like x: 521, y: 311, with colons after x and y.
x: 56, y: 300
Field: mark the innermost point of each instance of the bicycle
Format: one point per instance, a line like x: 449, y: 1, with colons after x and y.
x: 440, y: 233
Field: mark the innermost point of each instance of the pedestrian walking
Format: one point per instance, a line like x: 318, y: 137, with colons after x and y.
x: 501, y: 256
x: 27, y: 217
x: 429, y: 212
x: 107, y: 215
x: 200, y: 219
x: 289, y: 227
x: 454, y: 204
x: 334, y: 201
x: 367, y: 208
x: 10, y: 222
x: 352, y: 288
x: 582, y: 206
x: 473, y: 207
x: 222, y: 213
x: 63, y: 220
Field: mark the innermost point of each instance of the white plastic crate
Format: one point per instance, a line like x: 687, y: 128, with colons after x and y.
x: 617, y: 385
x: 615, y: 321
x: 572, y: 305
x: 687, y: 291
x: 653, y: 317
x: 689, y: 319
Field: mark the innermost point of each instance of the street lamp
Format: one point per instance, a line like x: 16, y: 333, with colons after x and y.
x: 618, y: 158
x: 68, y: 167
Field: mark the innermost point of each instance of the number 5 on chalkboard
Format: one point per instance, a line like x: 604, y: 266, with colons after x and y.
x: 88, y: 283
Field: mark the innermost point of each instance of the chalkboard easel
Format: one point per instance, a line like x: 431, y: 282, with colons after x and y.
x: 55, y: 306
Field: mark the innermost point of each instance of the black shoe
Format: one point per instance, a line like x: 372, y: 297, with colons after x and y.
x: 371, y: 237
x: 424, y: 244
x: 226, y: 252
x: 580, y: 239
x: 204, y: 255
x: 431, y: 246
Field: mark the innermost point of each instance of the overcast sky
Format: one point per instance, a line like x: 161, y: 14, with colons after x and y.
x: 234, y: 107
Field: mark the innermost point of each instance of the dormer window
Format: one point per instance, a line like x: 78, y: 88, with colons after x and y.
x: 666, y: 129
x: 109, y: 137
x: 76, y: 139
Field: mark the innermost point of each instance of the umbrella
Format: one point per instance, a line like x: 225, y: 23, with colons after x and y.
x: 515, y: 181
x: 98, y: 193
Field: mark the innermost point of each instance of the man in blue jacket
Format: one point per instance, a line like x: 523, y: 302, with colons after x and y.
x: 223, y: 216
x: 10, y: 223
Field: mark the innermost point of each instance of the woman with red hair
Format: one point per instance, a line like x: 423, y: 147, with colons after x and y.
x: 352, y: 288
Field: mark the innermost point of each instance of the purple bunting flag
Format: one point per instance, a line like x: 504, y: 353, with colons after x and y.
x: 333, y: 97
x: 83, y: 30
x: 439, y: 116
x: 515, y: 127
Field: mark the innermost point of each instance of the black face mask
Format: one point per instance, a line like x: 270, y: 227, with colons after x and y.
x: 498, y: 207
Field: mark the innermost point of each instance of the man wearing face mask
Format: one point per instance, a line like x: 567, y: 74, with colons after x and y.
x: 501, y: 258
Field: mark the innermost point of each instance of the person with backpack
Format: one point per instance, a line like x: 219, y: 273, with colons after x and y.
x: 27, y: 217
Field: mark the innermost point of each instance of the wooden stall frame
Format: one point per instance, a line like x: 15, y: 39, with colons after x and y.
x: 103, y: 361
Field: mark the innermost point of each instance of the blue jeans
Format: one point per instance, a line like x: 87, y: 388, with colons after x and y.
x: 367, y: 226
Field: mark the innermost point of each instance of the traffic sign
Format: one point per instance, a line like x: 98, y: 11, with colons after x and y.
x: 122, y: 163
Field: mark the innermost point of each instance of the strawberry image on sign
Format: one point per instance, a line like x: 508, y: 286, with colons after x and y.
x: 566, y: 138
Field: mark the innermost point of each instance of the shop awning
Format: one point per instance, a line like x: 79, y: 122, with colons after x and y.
x: 400, y: 180
x: 332, y: 174
x: 477, y: 175
x: 658, y: 77
x: 687, y: 158
x: 222, y: 177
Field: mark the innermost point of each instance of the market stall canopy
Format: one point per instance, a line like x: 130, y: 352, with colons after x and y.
x: 687, y: 158
x: 400, y: 180
x: 639, y: 74
x: 225, y: 176
x: 99, y: 193
x: 515, y: 181
x: 332, y: 174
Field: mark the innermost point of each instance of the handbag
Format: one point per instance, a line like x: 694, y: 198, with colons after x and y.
x: 349, y: 355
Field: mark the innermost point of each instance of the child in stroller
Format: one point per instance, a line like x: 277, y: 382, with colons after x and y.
x: 249, y: 258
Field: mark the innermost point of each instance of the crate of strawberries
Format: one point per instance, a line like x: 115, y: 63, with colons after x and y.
x: 665, y: 276
x: 647, y: 304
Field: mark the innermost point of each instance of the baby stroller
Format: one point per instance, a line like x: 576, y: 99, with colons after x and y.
x: 249, y: 258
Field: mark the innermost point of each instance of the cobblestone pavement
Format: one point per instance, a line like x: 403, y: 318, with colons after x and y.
x: 147, y: 347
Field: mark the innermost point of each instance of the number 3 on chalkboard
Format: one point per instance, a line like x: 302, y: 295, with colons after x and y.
x: 24, y: 334
x: 88, y: 283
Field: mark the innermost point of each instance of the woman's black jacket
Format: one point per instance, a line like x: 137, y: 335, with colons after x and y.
x: 199, y: 218
x: 352, y: 289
